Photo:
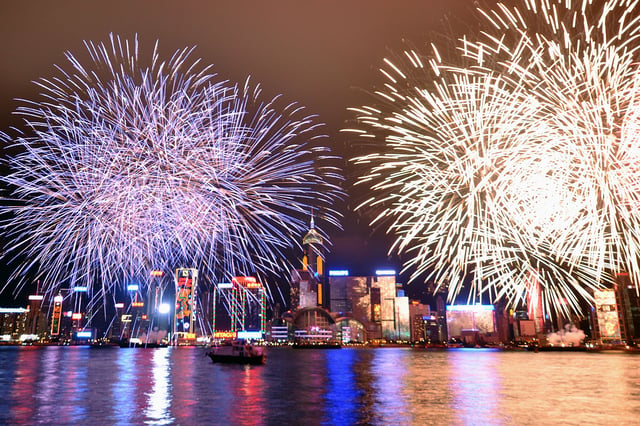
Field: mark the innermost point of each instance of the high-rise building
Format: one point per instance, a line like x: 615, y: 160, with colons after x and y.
x: 12, y: 322
x: 307, y: 284
x: 534, y: 302
x: 186, y: 281
x: 628, y: 301
x: 607, y: 320
x: 373, y: 301
x: 616, y: 314
x: 472, y: 324
x: 36, y: 319
x: 421, y: 322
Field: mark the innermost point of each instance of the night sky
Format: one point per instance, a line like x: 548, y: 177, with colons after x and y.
x: 324, y: 55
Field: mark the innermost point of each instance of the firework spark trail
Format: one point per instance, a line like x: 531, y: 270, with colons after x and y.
x: 132, y: 168
x: 522, y: 161
x: 580, y: 63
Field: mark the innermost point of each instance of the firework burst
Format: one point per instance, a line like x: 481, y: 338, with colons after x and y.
x: 523, y: 161
x: 131, y: 167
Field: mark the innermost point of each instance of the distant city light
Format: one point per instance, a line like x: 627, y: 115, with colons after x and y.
x: 36, y: 297
x: 253, y: 285
x: 133, y: 287
x: 28, y: 337
x: 137, y: 304
x: 12, y: 310
x: 83, y: 335
x: 156, y: 273
x: 339, y: 273
x: 470, y: 308
x: 80, y: 289
x: 119, y: 305
x: 164, y: 308
x: 225, y: 285
x: 58, y: 298
x: 249, y: 335
x: 385, y: 272
x: 224, y: 335
x: 76, y: 316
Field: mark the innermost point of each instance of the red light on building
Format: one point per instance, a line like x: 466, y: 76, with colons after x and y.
x: 156, y: 273
x: 247, y: 282
x: 137, y: 304
x: 76, y: 316
x: 224, y: 335
x: 144, y: 317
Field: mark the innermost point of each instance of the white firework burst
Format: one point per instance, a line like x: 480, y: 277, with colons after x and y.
x: 522, y: 162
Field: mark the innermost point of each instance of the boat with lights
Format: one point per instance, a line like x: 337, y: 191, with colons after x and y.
x: 237, y: 352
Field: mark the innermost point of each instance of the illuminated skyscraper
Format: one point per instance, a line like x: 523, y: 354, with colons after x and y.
x: 472, y: 324
x: 240, y: 307
x: 534, y: 302
x: 36, y: 319
x: 56, y: 317
x: 617, y: 313
x: 184, y: 319
x: 307, y: 284
x: 372, y: 300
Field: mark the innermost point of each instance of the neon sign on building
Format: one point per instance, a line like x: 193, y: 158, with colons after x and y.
x: 186, y: 281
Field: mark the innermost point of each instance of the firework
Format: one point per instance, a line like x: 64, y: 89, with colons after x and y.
x: 131, y: 167
x: 522, y: 161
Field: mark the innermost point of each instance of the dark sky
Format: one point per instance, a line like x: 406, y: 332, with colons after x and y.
x: 323, y: 54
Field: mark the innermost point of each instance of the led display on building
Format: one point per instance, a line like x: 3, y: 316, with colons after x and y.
x: 57, y: 315
x: 470, y: 318
x: 186, y: 282
x: 607, y: 315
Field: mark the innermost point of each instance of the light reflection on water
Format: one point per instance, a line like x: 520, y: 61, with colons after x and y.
x: 158, y: 398
x: 76, y: 385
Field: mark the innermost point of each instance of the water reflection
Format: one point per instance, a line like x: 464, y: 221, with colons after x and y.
x: 158, y: 399
x: 389, y: 369
x: 21, y: 394
x: 72, y: 385
x: 49, y: 377
x: 475, y: 386
x: 184, y: 398
x: 123, y: 387
x: 342, y: 393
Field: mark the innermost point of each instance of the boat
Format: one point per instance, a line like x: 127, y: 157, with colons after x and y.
x: 237, y: 352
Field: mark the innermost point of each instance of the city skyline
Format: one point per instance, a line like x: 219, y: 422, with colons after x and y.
x: 361, y: 244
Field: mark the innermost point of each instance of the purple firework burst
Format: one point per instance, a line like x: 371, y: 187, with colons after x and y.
x: 128, y: 167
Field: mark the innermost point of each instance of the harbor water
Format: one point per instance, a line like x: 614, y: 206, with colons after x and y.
x: 348, y: 386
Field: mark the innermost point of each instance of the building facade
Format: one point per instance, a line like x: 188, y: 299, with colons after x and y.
x: 373, y: 301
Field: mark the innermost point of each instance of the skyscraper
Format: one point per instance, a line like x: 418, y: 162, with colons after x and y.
x: 373, y: 301
x: 307, y: 284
